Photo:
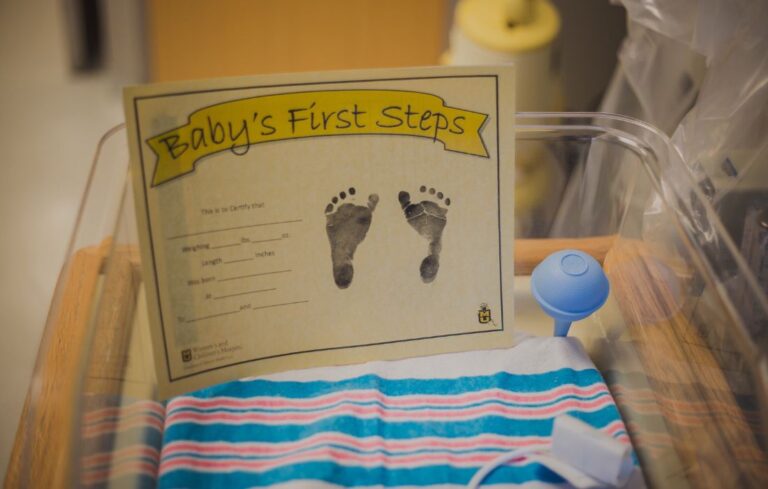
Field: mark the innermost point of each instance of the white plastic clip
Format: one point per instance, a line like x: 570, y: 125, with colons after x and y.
x: 591, y: 451
x: 582, y: 455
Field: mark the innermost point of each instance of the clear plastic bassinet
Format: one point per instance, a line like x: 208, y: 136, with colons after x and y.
x: 681, y: 342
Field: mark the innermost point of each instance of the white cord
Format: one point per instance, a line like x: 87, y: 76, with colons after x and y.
x: 497, y: 462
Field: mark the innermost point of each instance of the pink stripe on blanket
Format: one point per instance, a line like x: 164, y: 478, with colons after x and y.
x: 328, y: 454
x: 136, y: 451
x: 370, y: 395
x: 615, y: 429
x: 225, y: 417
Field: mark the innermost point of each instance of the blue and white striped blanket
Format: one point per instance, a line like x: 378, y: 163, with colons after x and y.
x: 431, y: 421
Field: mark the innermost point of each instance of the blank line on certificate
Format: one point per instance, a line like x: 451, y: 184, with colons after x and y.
x: 265, y: 240
x: 245, y: 293
x: 238, y: 261
x: 198, y: 233
x: 253, y: 275
x: 279, y: 305
x: 230, y: 245
x: 212, y: 316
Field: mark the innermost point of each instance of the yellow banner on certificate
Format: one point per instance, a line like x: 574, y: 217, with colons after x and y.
x: 238, y: 124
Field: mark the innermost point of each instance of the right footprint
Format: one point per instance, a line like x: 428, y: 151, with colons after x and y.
x: 428, y: 218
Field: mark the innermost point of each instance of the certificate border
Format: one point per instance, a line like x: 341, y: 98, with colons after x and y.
x: 136, y: 101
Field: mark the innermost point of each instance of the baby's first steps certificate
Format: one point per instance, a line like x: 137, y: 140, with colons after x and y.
x: 294, y: 221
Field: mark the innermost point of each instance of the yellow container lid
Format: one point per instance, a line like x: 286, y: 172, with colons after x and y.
x: 512, y: 26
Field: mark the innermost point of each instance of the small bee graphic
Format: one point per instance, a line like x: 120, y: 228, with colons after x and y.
x: 484, y: 314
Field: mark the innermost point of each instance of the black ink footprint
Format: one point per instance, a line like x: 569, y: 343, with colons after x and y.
x: 428, y: 218
x: 347, y: 225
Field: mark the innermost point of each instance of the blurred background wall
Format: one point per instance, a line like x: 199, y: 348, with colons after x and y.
x: 199, y: 38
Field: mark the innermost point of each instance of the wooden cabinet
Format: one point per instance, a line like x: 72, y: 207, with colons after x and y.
x: 198, y: 38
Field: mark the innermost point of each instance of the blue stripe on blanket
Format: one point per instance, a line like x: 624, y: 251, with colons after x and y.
x: 346, y: 476
x: 376, y: 427
x: 515, y: 383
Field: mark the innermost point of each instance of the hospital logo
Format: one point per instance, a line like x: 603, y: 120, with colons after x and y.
x: 484, y: 314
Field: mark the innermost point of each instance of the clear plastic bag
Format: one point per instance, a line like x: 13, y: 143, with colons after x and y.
x: 698, y: 69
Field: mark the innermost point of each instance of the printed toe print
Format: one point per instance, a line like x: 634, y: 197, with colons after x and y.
x: 428, y: 218
x: 347, y: 224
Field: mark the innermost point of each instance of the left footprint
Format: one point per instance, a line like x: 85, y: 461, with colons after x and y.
x: 347, y: 224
